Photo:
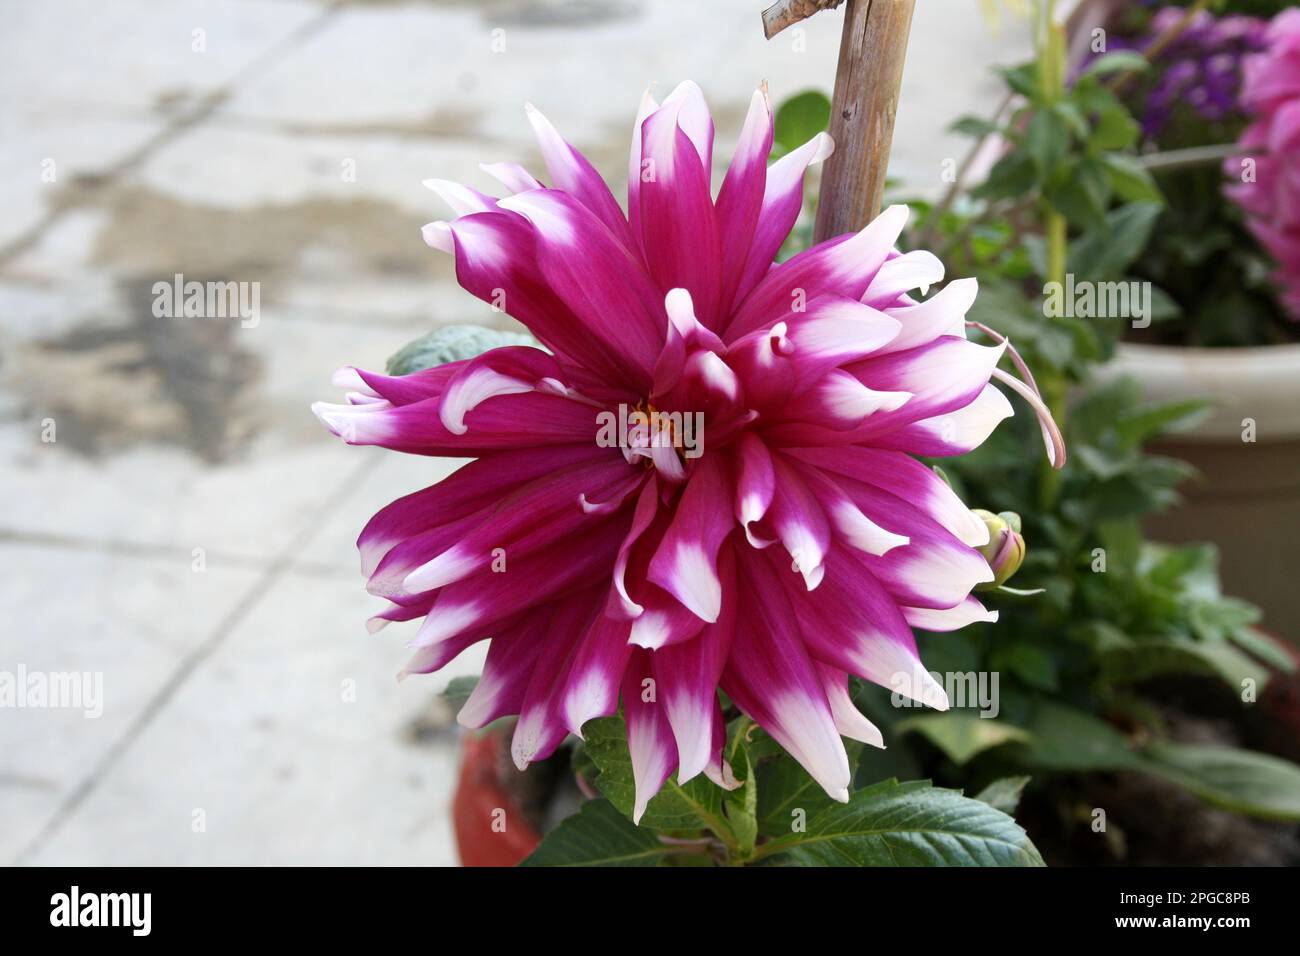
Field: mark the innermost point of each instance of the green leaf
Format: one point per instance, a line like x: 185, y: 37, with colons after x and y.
x: 1141, y: 660
x: 1023, y: 79
x: 1239, y: 780
x: 1067, y: 739
x: 1115, y: 129
x: 1120, y: 61
x: 800, y: 118
x: 1106, y: 253
x: 695, y: 805
x: 742, y: 804
x: 1131, y: 180
x: 458, y: 691
x: 598, y: 835
x: 975, y: 126
x: 1003, y: 794
x: 452, y: 343
x: 907, y: 824
x: 962, y: 735
x: 1266, y: 648
x: 785, y: 789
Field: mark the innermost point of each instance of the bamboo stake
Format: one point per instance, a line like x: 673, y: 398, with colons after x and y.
x: 873, y: 48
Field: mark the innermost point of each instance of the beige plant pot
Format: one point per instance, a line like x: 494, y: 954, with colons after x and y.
x: 1247, y: 500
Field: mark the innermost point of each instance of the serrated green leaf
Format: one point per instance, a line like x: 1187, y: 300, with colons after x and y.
x: 695, y: 805
x: 598, y: 835
x: 907, y: 824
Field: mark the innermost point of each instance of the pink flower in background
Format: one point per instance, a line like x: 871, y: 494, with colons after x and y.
x: 1271, y: 92
x: 759, y: 526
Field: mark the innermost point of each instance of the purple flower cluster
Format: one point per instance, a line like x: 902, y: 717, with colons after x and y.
x: 1201, y: 68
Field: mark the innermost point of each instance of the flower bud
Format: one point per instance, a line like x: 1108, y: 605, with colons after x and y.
x: 1006, y: 548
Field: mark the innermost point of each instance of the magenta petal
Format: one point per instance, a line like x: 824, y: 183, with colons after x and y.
x: 687, y: 677
x: 685, y: 565
x: 741, y: 196
x: 782, y: 200
x: 649, y: 736
x: 771, y: 678
x: 678, y: 230
x: 571, y: 172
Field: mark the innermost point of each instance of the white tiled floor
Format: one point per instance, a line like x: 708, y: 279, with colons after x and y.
x: 224, y: 689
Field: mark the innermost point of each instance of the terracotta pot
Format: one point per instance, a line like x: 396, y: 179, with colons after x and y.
x: 1248, y: 498
x: 492, y: 827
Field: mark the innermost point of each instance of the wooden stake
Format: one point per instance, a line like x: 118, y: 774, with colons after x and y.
x: 867, y: 83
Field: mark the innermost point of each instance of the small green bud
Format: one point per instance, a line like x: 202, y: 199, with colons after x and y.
x: 1006, y: 548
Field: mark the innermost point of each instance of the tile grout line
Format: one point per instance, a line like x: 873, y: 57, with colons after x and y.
x: 146, y: 551
x: 188, y: 666
x: 203, y: 110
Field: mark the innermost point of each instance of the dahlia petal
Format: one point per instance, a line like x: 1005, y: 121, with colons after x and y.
x: 687, y: 676
x: 637, y: 169
x: 463, y: 200
x: 854, y: 527
x: 511, y: 175
x: 755, y: 486
x: 848, y: 719
x: 511, y: 657
x: 536, y: 516
x: 540, y: 728
x: 685, y: 565
x: 854, y: 625
x: 649, y: 736
x: 663, y: 622
x: 504, y: 421
x: 800, y: 523
x: 643, y: 516
x: 679, y: 232
x: 844, y: 266
x: 464, y: 492
x: 687, y: 100
x: 953, y: 433
x: 546, y: 575
x: 572, y: 173
x: 591, y: 683
x: 969, y: 611
x: 771, y: 678
x: 782, y: 200
x: 943, y: 376
x: 497, y: 260
x: 472, y: 386
x: 935, y: 570
x: 944, y: 313
x: 833, y: 331
x: 741, y: 197
x: 841, y: 401
x: 718, y: 769
x: 598, y: 279
x: 901, y: 274
x: 904, y: 476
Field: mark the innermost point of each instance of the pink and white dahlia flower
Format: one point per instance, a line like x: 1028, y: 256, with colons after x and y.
x: 705, y: 479
x: 1271, y: 92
